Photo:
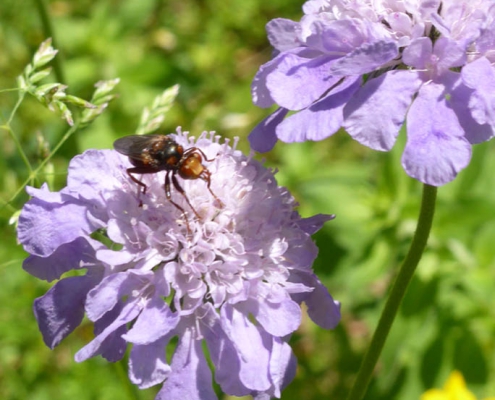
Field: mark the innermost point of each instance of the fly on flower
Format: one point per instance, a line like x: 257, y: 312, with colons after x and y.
x: 154, y: 153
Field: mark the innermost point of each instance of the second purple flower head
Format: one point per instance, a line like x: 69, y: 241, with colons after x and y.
x: 369, y: 66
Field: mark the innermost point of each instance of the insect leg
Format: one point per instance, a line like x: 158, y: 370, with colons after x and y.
x: 206, y: 176
x: 201, y: 152
x: 168, y: 194
x: 178, y: 187
x: 131, y: 171
x: 142, y: 185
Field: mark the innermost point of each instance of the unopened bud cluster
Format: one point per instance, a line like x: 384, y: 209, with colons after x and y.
x: 53, y: 95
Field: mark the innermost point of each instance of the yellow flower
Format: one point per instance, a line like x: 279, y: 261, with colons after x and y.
x: 454, y: 389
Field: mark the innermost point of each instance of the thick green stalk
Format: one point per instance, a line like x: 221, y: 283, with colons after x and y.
x: 397, y: 293
x: 71, y: 147
x: 130, y: 389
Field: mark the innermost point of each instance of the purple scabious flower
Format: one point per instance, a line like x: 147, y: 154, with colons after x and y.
x: 368, y: 65
x: 233, y: 279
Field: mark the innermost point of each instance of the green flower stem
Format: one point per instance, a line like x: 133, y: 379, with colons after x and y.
x: 34, y: 173
x: 22, y: 94
x: 48, y: 30
x: 8, y: 127
x: 397, y: 293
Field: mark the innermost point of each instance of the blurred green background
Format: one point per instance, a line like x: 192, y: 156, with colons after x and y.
x: 213, y: 48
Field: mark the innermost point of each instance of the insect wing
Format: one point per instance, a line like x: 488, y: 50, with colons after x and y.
x: 133, y: 146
